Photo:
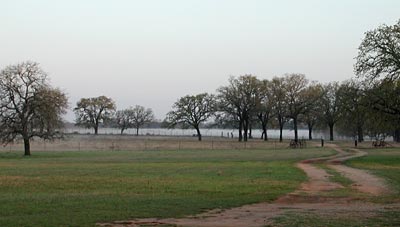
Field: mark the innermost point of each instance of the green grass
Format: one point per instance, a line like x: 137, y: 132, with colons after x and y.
x: 336, y: 176
x: 82, y: 188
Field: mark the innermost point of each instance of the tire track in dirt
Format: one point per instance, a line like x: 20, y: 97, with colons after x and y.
x: 305, y: 199
x: 363, y: 180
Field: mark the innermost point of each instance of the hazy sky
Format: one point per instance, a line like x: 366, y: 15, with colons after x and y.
x: 152, y: 52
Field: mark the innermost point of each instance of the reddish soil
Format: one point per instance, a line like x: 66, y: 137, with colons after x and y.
x: 306, y: 199
x: 363, y: 181
x: 318, y: 180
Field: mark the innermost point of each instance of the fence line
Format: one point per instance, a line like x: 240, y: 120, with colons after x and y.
x: 119, y: 143
x: 223, y: 133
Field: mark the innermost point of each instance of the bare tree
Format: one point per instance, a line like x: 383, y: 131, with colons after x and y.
x: 123, y: 119
x: 192, y: 110
x: 133, y: 117
x: 141, y: 116
x: 29, y: 106
x: 90, y: 112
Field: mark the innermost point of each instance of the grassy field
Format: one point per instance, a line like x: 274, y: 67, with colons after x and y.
x: 82, y: 188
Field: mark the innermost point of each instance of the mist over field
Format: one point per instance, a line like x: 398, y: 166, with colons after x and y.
x: 151, y: 53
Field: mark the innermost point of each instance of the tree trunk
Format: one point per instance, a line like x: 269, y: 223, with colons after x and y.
x: 331, y: 132
x: 198, y: 133
x: 264, y: 121
x: 396, y: 136
x: 245, y: 134
x: 264, y: 133
x: 122, y: 131
x: 137, y: 131
x: 250, y: 131
x: 245, y: 129
x: 240, y: 130
x: 280, y: 129
x: 309, y: 132
x: 96, y: 129
x: 27, y: 146
x: 296, y: 137
x: 360, y: 134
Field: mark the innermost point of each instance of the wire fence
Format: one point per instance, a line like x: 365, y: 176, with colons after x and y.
x: 224, y: 133
x: 139, y: 143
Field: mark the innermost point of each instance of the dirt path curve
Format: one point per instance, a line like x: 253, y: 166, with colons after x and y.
x: 363, y: 181
x: 318, y: 180
x: 304, y: 199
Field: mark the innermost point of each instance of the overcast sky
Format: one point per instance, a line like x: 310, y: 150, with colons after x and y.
x: 152, y: 52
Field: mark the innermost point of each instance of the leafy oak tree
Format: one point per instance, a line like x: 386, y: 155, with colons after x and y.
x: 279, y: 100
x: 379, y: 53
x: 353, y: 108
x: 29, y: 106
x: 90, y: 112
x: 240, y: 99
x: 330, y: 106
x: 312, y: 112
x: 265, y: 106
x: 383, y: 98
x: 298, y: 98
x: 378, y: 61
x: 192, y: 110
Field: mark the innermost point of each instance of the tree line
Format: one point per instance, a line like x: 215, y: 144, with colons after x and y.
x: 368, y: 104
x: 91, y: 112
x: 352, y: 107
